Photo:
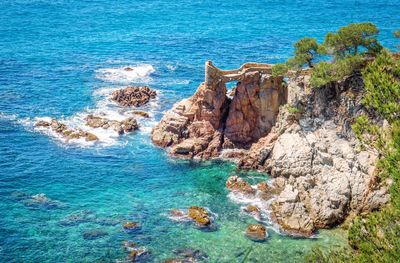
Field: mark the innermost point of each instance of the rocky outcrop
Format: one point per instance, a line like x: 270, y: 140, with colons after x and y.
x: 237, y: 184
x: 321, y: 174
x: 121, y: 127
x: 316, y: 157
x: 133, y: 96
x: 209, y: 121
x: 199, y: 215
x: 256, y: 232
x: 65, y: 131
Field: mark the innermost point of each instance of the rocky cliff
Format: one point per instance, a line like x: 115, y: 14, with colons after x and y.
x: 210, y: 121
x: 321, y: 173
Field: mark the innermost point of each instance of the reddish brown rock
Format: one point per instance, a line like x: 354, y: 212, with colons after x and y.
x: 199, y: 215
x: 237, y: 184
x: 208, y: 122
x: 133, y: 96
x: 131, y: 225
x: 256, y: 232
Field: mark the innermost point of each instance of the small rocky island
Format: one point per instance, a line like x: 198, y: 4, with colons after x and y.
x: 131, y: 96
x: 299, y: 135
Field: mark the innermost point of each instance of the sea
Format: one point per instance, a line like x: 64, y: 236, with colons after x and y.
x: 67, y: 201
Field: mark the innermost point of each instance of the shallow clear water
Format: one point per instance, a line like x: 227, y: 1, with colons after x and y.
x: 61, y: 58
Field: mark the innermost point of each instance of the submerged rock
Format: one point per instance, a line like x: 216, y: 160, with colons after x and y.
x: 77, y: 218
x: 94, y: 234
x: 137, y: 253
x: 66, y: 132
x: 190, y: 255
x: 199, y: 215
x: 256, y: 232
x: 237, y: 184
x: 41, y: 201
x: 133, y: 96
x: 129, y: 245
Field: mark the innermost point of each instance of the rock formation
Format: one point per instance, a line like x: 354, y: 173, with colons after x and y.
x: 256, y: 232
x: 325, y: 174
x: 121, y: 127
x: 133, y: 96
x: 210, y: 121
x: 321, y: 174
x: 66, y: 132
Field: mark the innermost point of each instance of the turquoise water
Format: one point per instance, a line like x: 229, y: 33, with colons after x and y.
x: 61, y: 59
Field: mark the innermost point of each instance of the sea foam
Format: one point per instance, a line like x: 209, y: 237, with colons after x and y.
x: 127, y: 74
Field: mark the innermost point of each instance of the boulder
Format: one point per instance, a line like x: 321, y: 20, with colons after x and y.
x: 141, y: 114
x: 136, y: 253
x: 133, y: 96
x: 237, y: 184
x: 256, y: 232
x: 131, y: 225
x: 199, y: 215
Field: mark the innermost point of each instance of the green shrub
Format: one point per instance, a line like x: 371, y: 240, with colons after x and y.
x: 382, y: 85
x: 279, y: 69
x: 294, y: 110
x: 324, y: 72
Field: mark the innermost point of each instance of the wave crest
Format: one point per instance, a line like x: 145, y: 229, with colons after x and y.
x: 126, y: 75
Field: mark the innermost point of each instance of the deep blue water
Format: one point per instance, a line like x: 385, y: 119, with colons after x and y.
x: 60, y: 59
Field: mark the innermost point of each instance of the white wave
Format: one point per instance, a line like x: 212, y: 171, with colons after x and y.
x: 172, y: 67
x: 126, y: 75
x: 264, y: 206
x: 8, y: 117
x: 107, y: 109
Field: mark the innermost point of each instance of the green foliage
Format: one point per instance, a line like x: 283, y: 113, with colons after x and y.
x: 382, y: 85
x: 376, y: 237
x: 397, y: 34
x: 294, y: 110
x: 306, y: 51
x: 324, y: 72
x: 279, y: 69
x: 352, y: 39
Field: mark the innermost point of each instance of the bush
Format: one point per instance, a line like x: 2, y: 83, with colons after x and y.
x: 382, y: 85
x: 324, y: 72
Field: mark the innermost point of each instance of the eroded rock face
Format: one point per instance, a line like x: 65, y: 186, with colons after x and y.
x: 321, y: 175
x: 208, y: 122
x: 317, y: 160
x: 254, y: 108
x: 133, y: 96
